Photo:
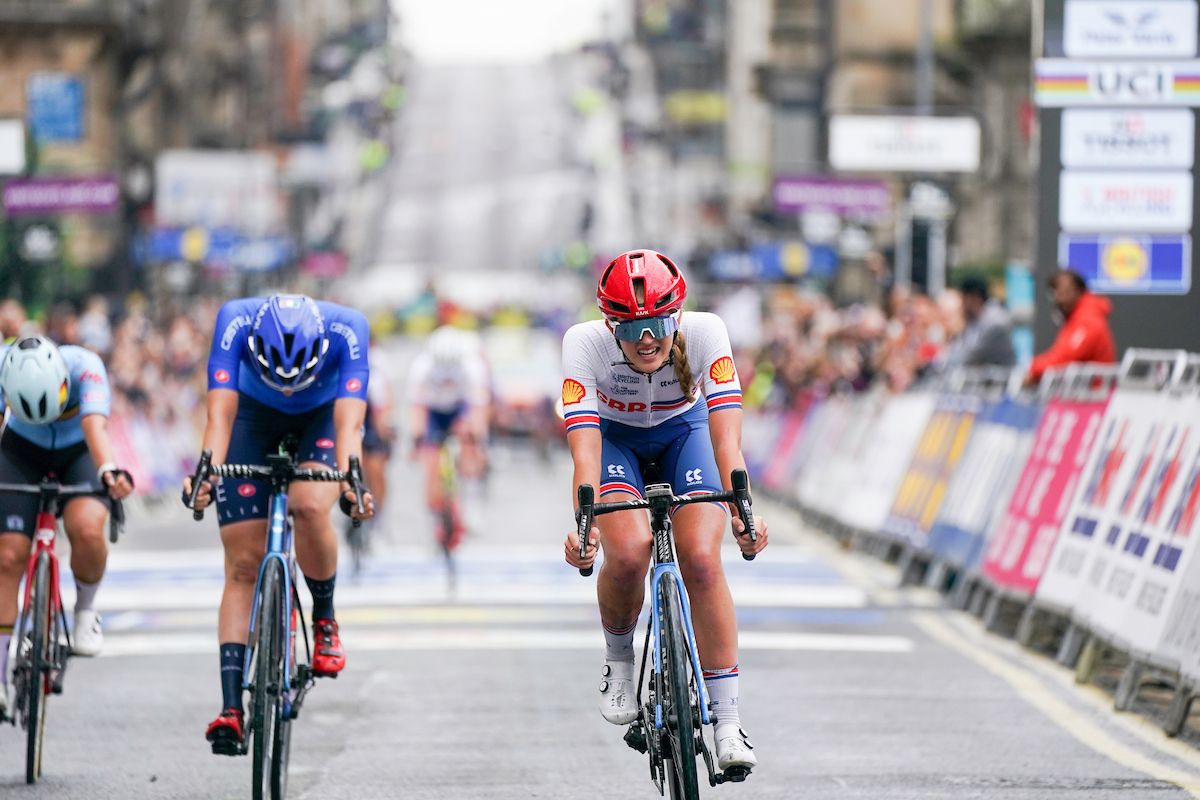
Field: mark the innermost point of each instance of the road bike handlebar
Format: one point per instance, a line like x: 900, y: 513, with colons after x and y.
x: 205, y: 469
x: 58, y: 491
x: 739, y: 495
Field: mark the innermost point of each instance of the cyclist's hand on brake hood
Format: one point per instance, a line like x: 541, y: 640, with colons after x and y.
x: 739, y: 534
x: 571, y: 549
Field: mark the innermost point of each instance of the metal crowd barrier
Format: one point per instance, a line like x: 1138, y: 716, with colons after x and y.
x: 1068, y: 517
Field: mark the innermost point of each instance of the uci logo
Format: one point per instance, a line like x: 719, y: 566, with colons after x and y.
x: 616, y: 471
x: 693, y: 477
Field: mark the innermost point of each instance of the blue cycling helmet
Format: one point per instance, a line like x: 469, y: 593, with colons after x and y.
x: 288, y: 341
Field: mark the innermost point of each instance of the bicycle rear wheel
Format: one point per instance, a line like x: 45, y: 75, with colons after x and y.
x: 34, y: 665
x: 268, y: 681
x: 678, y: 701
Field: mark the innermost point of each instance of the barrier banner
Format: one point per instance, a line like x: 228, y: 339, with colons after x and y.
x: 891, y: 445
x: 1132, y: 438
x: 760, y: 431
x: 1025, y: 537
x: 843, y: 470
x: 985, y: 479
x: 828, y: 430
x: 781, y: 468
x: 1180, y: 643
x: 923, y: 488
x: 1157, y: 558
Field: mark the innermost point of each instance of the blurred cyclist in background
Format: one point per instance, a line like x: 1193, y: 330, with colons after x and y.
x: 278, y: 367
x: 449, y: 394
x: 379, y: 432
x: 12, y: 320
x: 57, y: 423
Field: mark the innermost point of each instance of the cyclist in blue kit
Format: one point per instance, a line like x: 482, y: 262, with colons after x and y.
x: 281, y: 366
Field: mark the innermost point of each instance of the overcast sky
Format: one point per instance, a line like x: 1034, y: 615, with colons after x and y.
x: 497, y: 30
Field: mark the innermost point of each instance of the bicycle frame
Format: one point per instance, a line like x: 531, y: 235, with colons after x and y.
x: 44, y: 537
x: 664, y: 563
x: 279, y: 548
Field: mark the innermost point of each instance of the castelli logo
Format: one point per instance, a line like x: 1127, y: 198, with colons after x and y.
x: 353, y: 385
x: 722, y: 370
x: 221, y: 376
x: 247, y: 490
x: 325, y: 444
x: 572, y: 392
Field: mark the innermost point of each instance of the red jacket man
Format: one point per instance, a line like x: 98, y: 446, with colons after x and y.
x: 1085, y: 335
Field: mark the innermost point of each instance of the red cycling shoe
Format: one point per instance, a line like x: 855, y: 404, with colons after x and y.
x: 328, y: 657
x: 226, y: 733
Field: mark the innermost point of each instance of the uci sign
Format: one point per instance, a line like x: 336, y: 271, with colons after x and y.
x: 1064, y: 82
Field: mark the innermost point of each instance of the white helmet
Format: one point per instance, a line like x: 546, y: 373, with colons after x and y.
x: 35, y: 380
x: 448, y: 346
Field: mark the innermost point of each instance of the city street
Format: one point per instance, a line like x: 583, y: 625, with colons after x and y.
x: 850, y: 689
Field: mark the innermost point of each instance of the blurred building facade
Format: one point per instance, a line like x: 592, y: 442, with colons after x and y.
x: 105, y: 87
x: 787, y: 67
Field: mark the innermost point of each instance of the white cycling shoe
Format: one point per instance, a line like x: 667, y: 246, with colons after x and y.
x: 618, y: 695
x: 734, y: 750
x: 88, y: 636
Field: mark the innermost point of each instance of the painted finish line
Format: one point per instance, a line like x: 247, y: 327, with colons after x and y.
x: 507, y: 639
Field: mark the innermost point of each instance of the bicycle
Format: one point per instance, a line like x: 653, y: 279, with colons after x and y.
x: 449, y: 521
x: 43, y: 641
x: 677, y: 706
x: 279, y: 680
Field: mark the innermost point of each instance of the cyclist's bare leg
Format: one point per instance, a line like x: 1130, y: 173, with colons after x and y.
x: 431, y: 466
x: 699, y: 530
x: 14, y: 556
x: 316, y: 541
x: 84, y: 520
x: 245, y: 543
x: 621, y: 583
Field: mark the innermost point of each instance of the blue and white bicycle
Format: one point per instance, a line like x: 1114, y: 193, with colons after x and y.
x: 676, y: 705
x: 278, y: 676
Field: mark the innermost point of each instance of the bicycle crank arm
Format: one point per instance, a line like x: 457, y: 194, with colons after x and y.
x: 304, y: 677
x: 635, y: 737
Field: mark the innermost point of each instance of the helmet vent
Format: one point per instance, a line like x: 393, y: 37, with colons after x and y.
x: 607, y: 272
x: 665, y: 300
x: 670, y: 266
x: 42, y: 407
x: 618, y: 307
x: 30, y: 343
x: 288, y: 340
x: 28, y: 411
x: 639, y: 291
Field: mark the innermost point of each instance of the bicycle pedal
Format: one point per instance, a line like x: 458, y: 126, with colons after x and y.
x: 635, y: 737
x: 226, y: 745
x: 734, y: 775
x: 333, y: 675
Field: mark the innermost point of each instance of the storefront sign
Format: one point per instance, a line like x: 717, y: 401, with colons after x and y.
x: 61, y: 195
x: 1116, y: 139
x: 1130, y: 264
x: 904, y: 144
x: 1129, y: 29
x: 1123, y: 201
x: 55, y: 106
x: 1064, y: 82
x: 798, y: 193
x: 12, y: 146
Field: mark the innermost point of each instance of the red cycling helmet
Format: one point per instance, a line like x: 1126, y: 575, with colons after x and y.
x: 644, y: 274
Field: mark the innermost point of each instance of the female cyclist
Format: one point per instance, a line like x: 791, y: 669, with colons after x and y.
x: 630, y: 399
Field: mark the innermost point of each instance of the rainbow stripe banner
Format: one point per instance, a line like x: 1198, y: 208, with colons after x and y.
x: 1062, y: 82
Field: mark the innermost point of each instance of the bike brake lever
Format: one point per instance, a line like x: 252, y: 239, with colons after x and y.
x: 202, y: 470
x: 741, y: 498
x: 357, y: 488
x: 584, y: 518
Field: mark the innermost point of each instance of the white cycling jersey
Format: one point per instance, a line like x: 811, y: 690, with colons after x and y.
x: 445, y: 387
x: 600, y: 384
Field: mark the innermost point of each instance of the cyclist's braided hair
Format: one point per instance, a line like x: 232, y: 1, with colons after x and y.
x: 683, y: 370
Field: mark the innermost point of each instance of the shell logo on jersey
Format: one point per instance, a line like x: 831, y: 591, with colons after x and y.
x: 722, y: 370
x: 221, y: 376
x: 353, y: 385
x: 247, y: 490
x: 572, y: 392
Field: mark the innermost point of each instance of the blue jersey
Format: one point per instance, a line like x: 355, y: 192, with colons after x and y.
x: 89, y: 394
x: 343, y: 373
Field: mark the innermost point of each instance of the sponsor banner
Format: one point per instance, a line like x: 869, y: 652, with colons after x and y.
x: 1113, y: 484
x: 218, y: 189
x: 780, y: 469
x: 61, y: 195
x: 1025, y: 537
x: 794, y: 194
x: 1122, y: 201
x: 1060, y: 82
x: 760, y: 432
x: 904, y: 144
x: 1130, y: 264
x: 1129, y: 28
x: 829, y: 430
x: 1158, y: 560
x: 841, y: 472
x: 893, y: 442
x: 984, y: 480
x: 774, y: 261
x: 922, y: 490
x: 1128, y: 138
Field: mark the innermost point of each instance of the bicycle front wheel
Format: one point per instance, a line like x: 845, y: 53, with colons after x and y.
x: 678, y: 698
x: 268, y: 681
x: 282, y: 747
x: 34, y: 666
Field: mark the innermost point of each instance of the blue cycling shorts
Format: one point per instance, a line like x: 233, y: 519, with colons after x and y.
x: 680, y: 447
x: 439, y: 424
x: 258, y: 431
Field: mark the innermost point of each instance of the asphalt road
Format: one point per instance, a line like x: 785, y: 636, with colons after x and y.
x: 850, y: 689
